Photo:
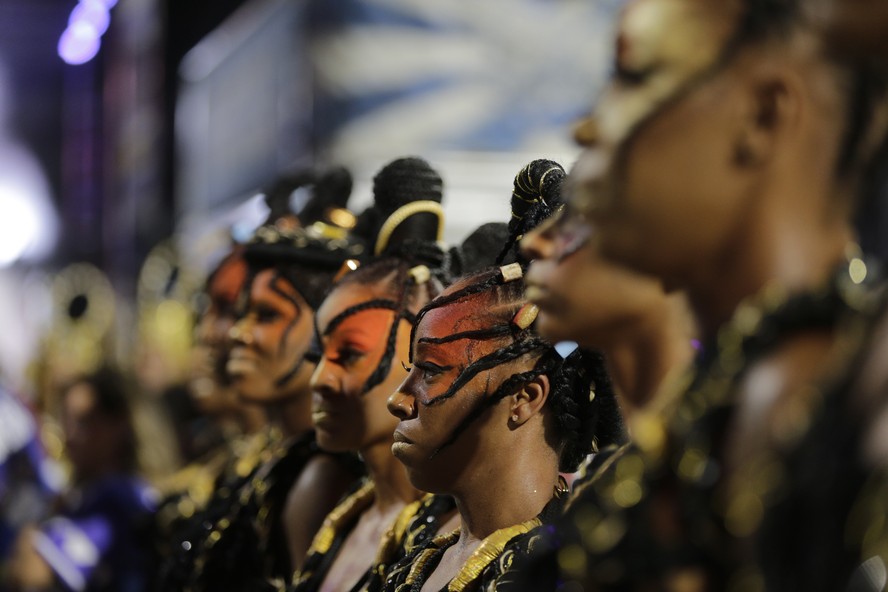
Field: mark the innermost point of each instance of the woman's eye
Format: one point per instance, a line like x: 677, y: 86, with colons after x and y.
x: 348, y: 355
x: 266, y: 315
x: 429, y: 370
x: 631, y: 77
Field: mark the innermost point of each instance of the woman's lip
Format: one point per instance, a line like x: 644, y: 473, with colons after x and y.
x: 401, y: 438
x: 321, y: 416
x: 239, y: 365
x: 400, y: 447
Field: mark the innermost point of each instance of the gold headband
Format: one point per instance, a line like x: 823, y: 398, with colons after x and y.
x: 401, y: 214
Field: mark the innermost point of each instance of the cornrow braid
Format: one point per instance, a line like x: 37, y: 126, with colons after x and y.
x: 394, y: 276
x: 536, y: 194
x: 375, y: 304
x: 584, y: 405
x: 489, y: 280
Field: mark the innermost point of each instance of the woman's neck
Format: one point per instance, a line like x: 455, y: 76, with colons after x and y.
x: 393, y: 487
x: 513, y: 492
x: 795, y: 250
x: 640, y: 363
x: 292, y: 415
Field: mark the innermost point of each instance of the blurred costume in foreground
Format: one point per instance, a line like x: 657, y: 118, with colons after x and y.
x: 752, y: 476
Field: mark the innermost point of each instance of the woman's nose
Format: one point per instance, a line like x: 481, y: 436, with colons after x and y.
x: 537, y: 244
x: 240, y: 332
x: 401, y: 405
x: 323, y: 379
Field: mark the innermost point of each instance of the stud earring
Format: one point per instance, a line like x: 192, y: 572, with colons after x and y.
x: 515, y: 417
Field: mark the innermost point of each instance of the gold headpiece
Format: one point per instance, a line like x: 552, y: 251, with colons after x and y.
x: 398, y: 216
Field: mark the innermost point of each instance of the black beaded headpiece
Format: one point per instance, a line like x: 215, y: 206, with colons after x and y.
x: 314, y: 244
x: 409, y: 222
x: 308, y: 250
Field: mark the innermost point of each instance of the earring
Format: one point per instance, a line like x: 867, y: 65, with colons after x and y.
x: 515, y: 417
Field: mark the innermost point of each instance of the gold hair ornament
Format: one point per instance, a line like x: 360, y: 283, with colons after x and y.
x: 511, y: 272
x: 401, y: 214
x: 420, y: 274
x: 525, y: 317
x: 348, y: 266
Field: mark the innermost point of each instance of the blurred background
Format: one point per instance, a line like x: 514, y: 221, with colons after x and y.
x: 134, y: 133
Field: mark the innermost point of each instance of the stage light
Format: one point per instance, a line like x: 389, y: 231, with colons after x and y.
x: 19, y: 224
x: 92, y: 12
x: 79, y: 43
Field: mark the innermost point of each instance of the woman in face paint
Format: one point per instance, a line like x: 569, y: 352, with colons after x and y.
x: 490, y: 413
x: 364, y: 327
x: 291, y: 262
x: 211, y: 386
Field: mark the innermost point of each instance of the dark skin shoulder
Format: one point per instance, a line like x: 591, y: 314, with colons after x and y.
x: 323, y: 481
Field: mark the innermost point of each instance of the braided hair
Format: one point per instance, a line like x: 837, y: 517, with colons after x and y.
x: 536, y: 195
x: 581, y: 403
x: 410, y: 266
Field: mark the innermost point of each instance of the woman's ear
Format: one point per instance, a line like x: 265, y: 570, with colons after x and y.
x: 529, y: 401
x: 773, y: 106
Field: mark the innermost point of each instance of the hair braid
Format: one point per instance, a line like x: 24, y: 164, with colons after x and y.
x: 584, y: 407
x: 536, y: 195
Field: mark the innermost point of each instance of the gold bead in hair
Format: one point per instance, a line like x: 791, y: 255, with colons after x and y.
x: 525, y: 317
x: 511, y: 272
x: 420, y: 274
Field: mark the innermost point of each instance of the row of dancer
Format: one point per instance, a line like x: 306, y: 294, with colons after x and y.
x: 730, y: 436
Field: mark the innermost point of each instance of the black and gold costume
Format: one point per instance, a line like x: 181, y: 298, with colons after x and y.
x: 490, y: 565
x: 238, y: 542
x: 659, y: 515
x: 201, y: 489
x: 415, y: 527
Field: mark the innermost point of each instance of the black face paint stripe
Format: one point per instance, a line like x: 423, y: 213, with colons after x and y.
x: 292, y: 324
x: 477, y: 334
x: 378, y: 304
x: 511, y: 352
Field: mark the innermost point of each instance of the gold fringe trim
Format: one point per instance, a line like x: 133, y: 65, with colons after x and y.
x: 489, y: 549
x: 394, y: 536
x: 340, y: 515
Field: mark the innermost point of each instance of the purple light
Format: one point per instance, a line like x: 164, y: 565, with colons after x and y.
x: 93, y: 13
x: 79, y: 43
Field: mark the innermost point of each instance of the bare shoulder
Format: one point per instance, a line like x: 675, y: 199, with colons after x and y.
x: 323, y: 481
